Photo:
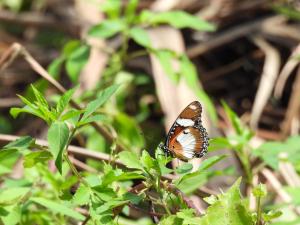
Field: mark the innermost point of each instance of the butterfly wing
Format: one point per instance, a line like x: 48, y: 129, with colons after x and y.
x: 187, y: 137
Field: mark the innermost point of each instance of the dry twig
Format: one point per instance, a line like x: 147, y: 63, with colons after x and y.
x: 267, y: 82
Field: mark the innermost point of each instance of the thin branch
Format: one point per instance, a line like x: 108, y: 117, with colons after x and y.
x: 267, y: 81
x: 82, y: 165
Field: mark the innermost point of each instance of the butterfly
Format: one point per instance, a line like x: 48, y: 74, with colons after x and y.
x: 187, y: 138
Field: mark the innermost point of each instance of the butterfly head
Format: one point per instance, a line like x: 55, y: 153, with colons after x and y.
x: 165, y: 149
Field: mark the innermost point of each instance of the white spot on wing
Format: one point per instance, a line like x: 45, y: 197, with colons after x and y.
x: 193, y: 107
x: 187, y: 142
x: 185, y: 122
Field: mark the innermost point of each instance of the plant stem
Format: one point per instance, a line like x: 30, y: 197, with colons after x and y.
x: 244, y: 160
x: 136, y: 54
x: 258, y: 222
x: 66, y: 157
x: 165, y: 206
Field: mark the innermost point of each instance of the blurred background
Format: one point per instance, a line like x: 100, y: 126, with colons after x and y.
x: 245, y: 53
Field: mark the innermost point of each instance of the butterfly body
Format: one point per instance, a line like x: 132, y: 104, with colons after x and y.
x: 187, y: 137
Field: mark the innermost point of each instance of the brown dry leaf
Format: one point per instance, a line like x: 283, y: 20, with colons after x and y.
x: 165, y: 5
x: 286, y: 71
x: 268, y: 78
x: 292, y: 114
x: 173, y: 98
x: 91, y: 73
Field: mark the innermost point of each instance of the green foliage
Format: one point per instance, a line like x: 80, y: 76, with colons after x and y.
x: 177, y: 19
x: 58, y: 208
x: 228, y: 209
x: 272, y: 152
x: 58, y: 136
x: 102, y: 97
x: 107, y: 28
x: 140, y: 36
x: 288, y: 11
x: 48, y: 194
x: 76, y: 61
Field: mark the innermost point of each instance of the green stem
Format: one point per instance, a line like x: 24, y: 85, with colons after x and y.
x: 124, y: 48
x: 165, y: 206
x: 246, y: 166
x: 71, y: 165
x: 136, y: 54
x: 258, y: 222
x: 161, y: 195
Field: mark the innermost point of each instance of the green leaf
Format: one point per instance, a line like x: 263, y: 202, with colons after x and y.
x: 8, y: 158
x: 178, y: 19
x: 269, y: 153
x: 288, y: 221
x: 110, y: 205
x: 58, y: 208
x: 36, y: 157
x: 58, y: 136
x: 211, y: 199
x: 210, y: 162
x: 107, y: 28
x: 91, y: 119
x: 234, y: 119
x: 172, y: 219
x: 148, y: 162
x: 39, y: 108
x: 39, y: 97
x: 76, y: 61
x: 112, y: 177
x: 165, y: 58
x: 218, y: 143
x: 112, y: 8
x: 288, y: 11
x: 4, y: 170
x: 21, y: 143
x: 191, y: 181
x: 102, y: 97
x: 55, y: 66
x: 133, y: 198
x: 130, y: 160
x: 162, y: 161
x: 131, y: 10
x: 13, y: 215
x: 11, y: 196
x: 128, y: 131
x: 71, y: 114
x: 70, y: 47
x: 140, y: 36
x: 294, y: 192
x: 229, y: 209
x: 105, y: 193
x: 184, y: 168
x: 64, y: 100
x: 188, y: 216
x: 26, y: 109
x: 82, y: 195
x: 271, y: 215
